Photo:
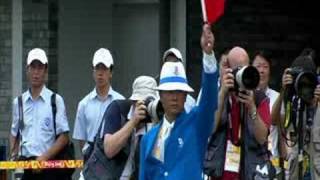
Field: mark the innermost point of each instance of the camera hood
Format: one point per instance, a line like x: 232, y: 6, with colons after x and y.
x: 247, y: 77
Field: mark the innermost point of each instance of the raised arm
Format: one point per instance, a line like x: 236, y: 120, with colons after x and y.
x: 208, y: 99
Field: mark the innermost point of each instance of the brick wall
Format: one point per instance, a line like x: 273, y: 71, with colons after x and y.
x: 282, y: 27
x: 40, y: 30
x: 5, y: 65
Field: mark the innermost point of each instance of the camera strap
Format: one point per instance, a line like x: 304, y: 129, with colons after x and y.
x: 233, y: 111
x: 288, y: 109
x: 300, y: 131
x: 296, y: 103
x: 291, y: 110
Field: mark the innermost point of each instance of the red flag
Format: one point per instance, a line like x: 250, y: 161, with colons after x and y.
x: 212, y: 10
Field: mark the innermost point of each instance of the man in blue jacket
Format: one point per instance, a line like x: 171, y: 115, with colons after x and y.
x: 174, y: 149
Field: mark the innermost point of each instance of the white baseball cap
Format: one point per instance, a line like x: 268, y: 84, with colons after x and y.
x: 143, y: 87
x: 103, y: 56
x: 37, y: 54
x: 173, y: 77
x: 172, y: 51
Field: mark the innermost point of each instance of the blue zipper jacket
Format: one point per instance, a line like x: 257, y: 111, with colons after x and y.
x: 186, y: 145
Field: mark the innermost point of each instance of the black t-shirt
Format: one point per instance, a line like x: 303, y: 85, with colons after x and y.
x: 112, y: 119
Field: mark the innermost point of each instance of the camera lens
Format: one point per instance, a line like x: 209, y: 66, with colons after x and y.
x: 148, y: 102
x: 247, y: 77
x: 154, y: 109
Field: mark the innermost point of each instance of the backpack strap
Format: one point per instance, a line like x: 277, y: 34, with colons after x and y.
x: 20, y: 125
x: 20, y: 110
x: 54, y: 113
x: 124, y: 108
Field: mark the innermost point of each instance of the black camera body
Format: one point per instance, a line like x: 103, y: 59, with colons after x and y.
x: 245, y: 78
x: 154, y: 110
x: 303, y: 85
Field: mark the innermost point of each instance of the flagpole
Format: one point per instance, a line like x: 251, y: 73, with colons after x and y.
x: 204, y: 11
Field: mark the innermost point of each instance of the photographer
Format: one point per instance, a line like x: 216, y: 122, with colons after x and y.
x: 300, y: 140
x: 263, y: 62
x: 242, y: 143
x: 119, y: 136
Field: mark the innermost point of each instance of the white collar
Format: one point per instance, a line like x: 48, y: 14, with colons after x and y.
x: 166, y: 123
x: 44, y: 94
x: 94, y: 93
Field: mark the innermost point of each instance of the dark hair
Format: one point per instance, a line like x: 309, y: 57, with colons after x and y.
x: 225, y: 51
x: 45, y: 65
x: 265, y: 54
x: 110, y: 68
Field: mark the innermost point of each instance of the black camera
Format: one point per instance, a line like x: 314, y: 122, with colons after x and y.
x: 155, y: 110
x: 245, y: 78
x: 303, y: 85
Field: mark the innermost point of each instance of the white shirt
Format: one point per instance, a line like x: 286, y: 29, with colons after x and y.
x: 164, y: 133
x: 38, y: 133
x: 190, y: 103
x: 273, y: 136
x: 89, y: 114
x: 209, y: 66
x: 272, y: 95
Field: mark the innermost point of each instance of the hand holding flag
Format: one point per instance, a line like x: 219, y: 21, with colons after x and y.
x: 207, y: 39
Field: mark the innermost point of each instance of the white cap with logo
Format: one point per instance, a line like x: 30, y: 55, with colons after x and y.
x: 173, y: 77
x: 103, y: 56
x: 37, y: 54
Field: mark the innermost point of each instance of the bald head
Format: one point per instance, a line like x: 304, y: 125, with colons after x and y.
x: 238, y: 57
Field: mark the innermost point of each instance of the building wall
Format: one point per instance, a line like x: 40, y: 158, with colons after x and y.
x: 36, y: 31
x: 40, y: 30
x: 137, y: 32
x: 5, y: 67
x: 136, y: 43
x: 130, y: 29
x: 84, y: 26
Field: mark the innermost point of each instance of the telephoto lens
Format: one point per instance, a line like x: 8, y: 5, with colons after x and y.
x: 246, y: 78
x: 154, y: 110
